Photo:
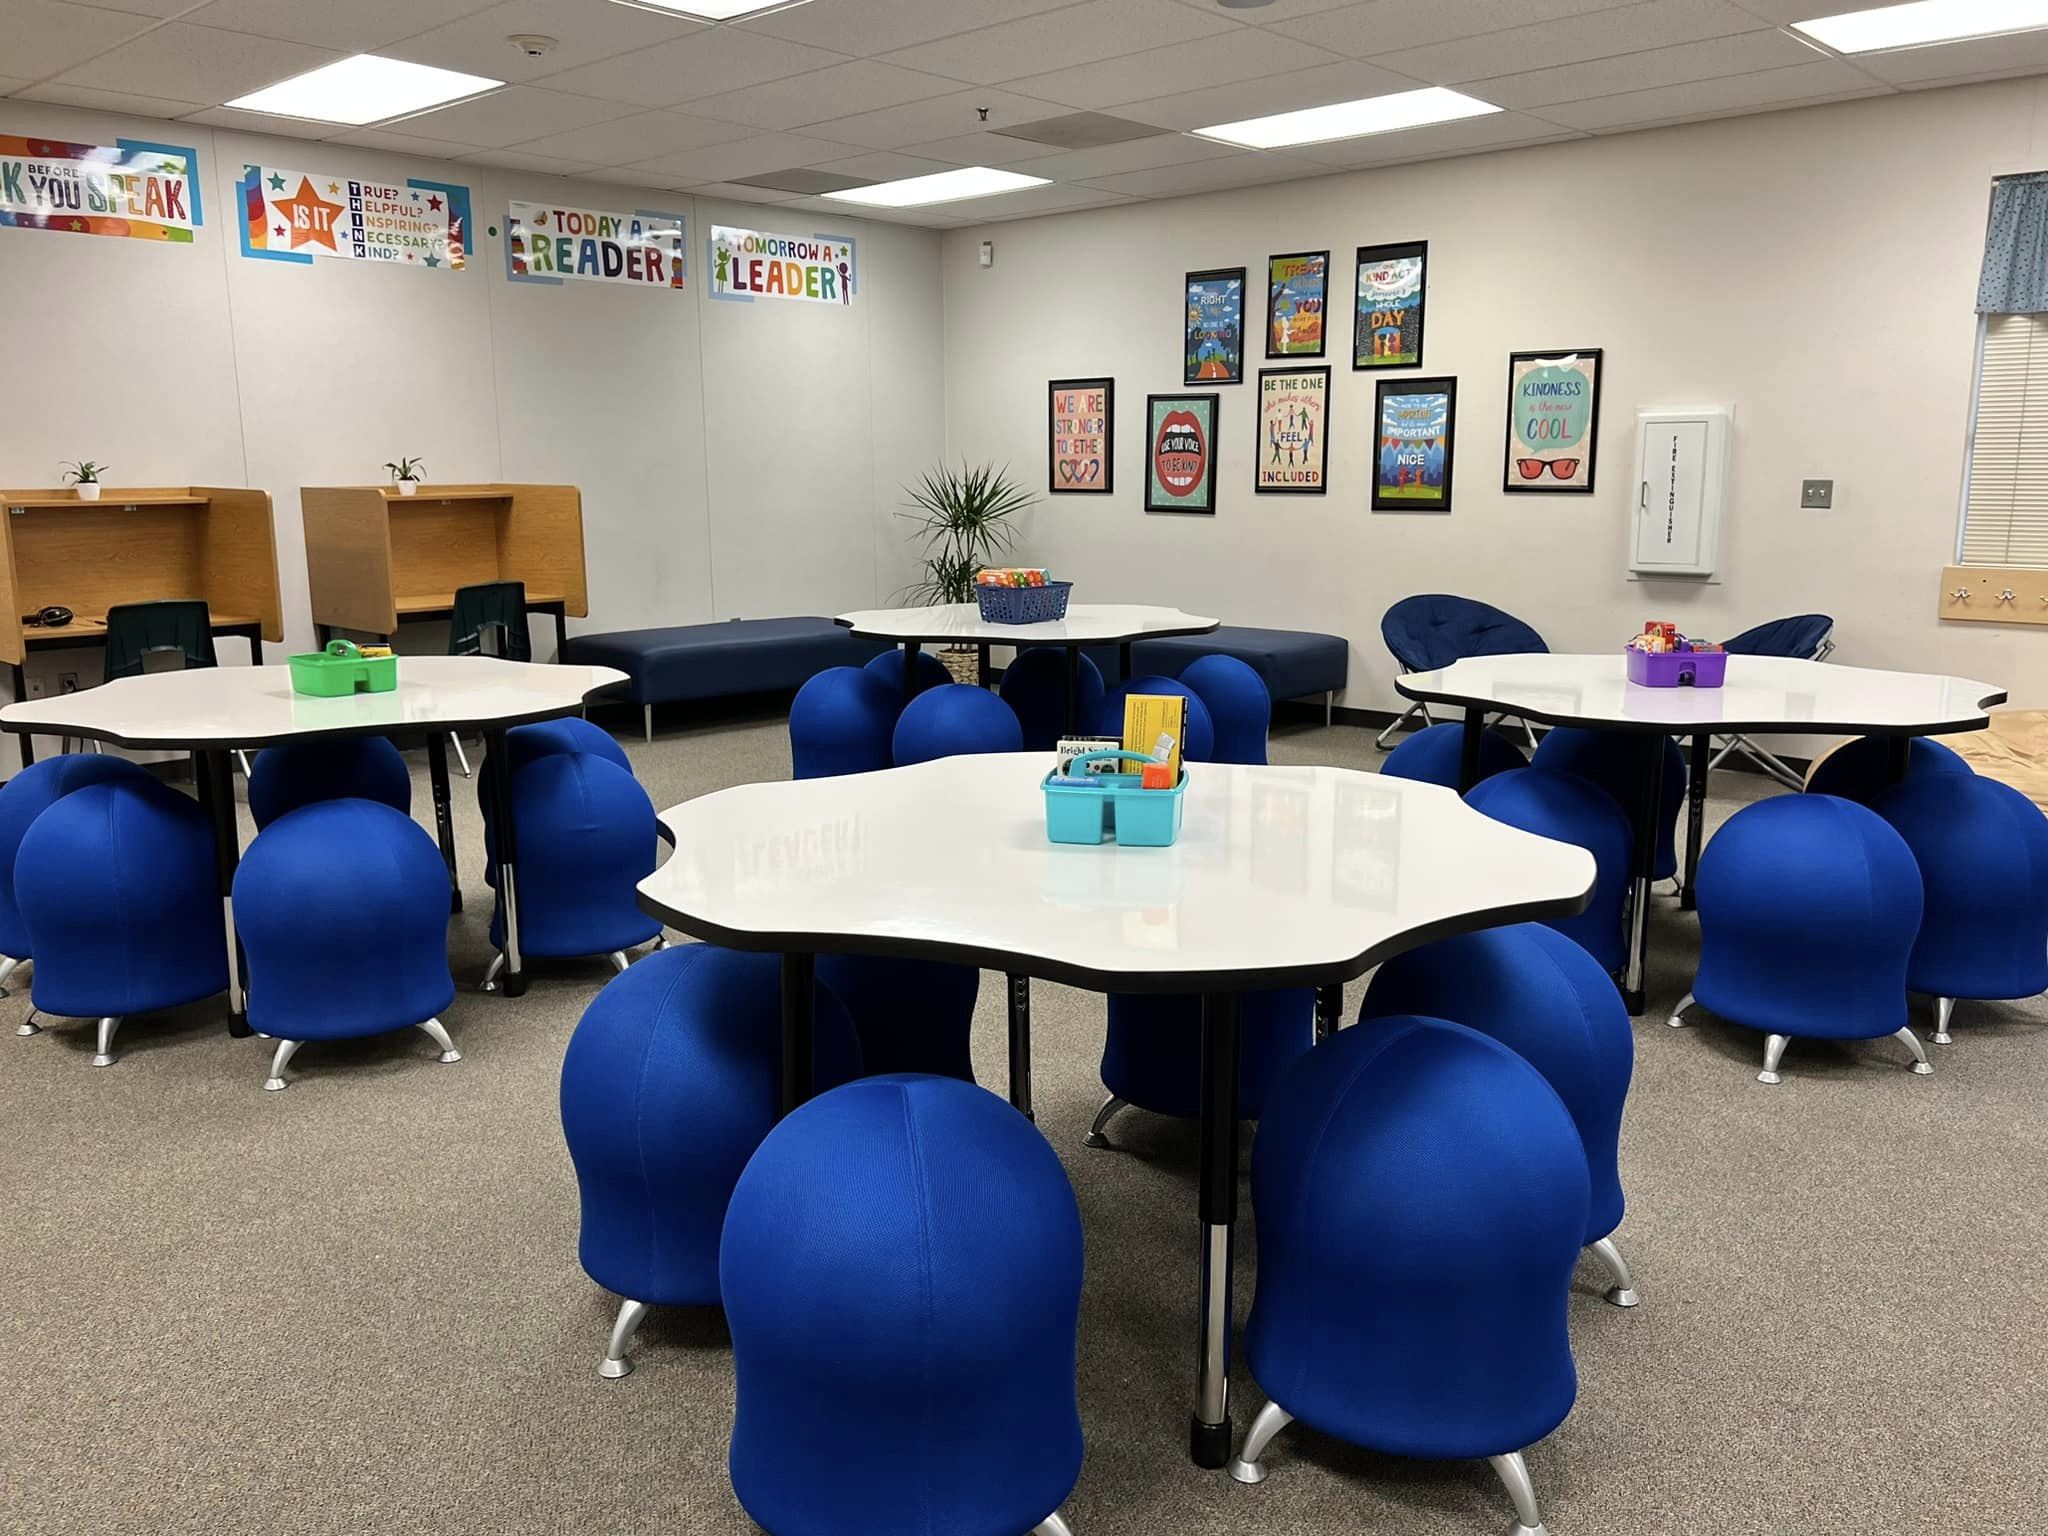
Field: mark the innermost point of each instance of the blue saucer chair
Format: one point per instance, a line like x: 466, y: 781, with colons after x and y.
x: 1421, y: 1197
x: 954, y: 720
x: 1434, y: 629
x: 284, y: 778
x: 1618, y: 761
x: 1982, y: 848
x: 116, y: 882
x: 22, y: 799
x: 1433, y: 754
x: 1035, y: 686
x: 840, y: 722
x: 901, y: 1270
x: 1569, y: 809
x: 1809, y: 905
x: 1860, y: 770
x: 1801, y: 637
x: 669, y: 1083
x: 1200, y: 746
x: 1548, y: 1001
x: 1152, y: 1055
x: 342, y: 908
x: 1240, y: 709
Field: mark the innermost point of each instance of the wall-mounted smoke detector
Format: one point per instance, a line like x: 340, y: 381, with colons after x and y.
x: 533, y: 44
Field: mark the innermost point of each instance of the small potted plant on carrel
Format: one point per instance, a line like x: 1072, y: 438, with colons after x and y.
x: 962, y: 520
x: 406, y: 473
x: 84, y: 477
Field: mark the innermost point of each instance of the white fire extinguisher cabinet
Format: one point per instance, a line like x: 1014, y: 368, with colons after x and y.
x: 1681, y: 490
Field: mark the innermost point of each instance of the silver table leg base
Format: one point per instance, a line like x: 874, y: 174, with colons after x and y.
x: 1774, y: 1052
x: 1246, y: 1465
x: 437, y: 1032
x: 286, y: 1049
x: 1623, y: 1292
x: 616, y: 1364
x: 1513, y: 1472
x: 1944, y: 1010
x: 1922, y: 1067
x: 1677, y: 1019
x: 104, y: 1057
x: 1103, y: 1116
x: 29, y: 1026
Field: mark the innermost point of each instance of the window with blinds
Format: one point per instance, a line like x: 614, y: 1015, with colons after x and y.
x: 2005, y: 500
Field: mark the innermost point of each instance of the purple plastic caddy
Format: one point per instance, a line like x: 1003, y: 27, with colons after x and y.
x: 1677, y: 669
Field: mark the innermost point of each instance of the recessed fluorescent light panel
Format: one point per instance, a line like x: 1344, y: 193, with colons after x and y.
x: 1928, y: 21
x: 364, y: 89
x: 1351, y: 119
x: 713, y: 10
x: 945, y: 187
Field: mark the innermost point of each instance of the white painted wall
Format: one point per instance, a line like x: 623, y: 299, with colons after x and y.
x: 1816, y: 268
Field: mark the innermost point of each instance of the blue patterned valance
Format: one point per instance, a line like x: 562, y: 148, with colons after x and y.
x: 2015, y: 278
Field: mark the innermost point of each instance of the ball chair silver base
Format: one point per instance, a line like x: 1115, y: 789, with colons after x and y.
x: 1052, y: 1525
x: 1511, y: 1469
x: 1677, y: 1020
x: 1623, y: 1292
x: 104, y: 1056
x: 29, y: 1026
x: 433, y: 1029
x: 9, y: 964
x: 1103, y: 1116
x: 1774, y: 1045
x: 616, y: 1362
x: 1944, y: 1010
x: 490, y: 981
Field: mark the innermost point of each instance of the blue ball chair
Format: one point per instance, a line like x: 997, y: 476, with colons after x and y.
x: 669, y: 1083
x: 544, y: 738
x: 1152, y: 1056
x: 840, y: 722
x: 930, y: 672
x: 342, y: 908
x: 1570, y: 809
x: 1860, y: 770
x: 284, y: 778
x: 954, y: 720
x: 1421, y: 1197
x: 1433, y: 754
x: 1618, y: 762
x: 1035, y: 686
x: 22, y: 799
x: 116, y: 882
x: 1982, y: 849
x: 1548, y: 1001
x: 1240, y: 709
x: 911, y: 1015
x: 902, y: 1279
x: 1809, y: 905
x: 1200, y: 746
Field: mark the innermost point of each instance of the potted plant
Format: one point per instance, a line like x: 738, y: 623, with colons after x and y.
x: 85, y: 477
x: 407, y: 473
x: 963, y: 523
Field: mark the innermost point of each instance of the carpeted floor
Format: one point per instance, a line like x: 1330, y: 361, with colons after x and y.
x: 354, y: 1308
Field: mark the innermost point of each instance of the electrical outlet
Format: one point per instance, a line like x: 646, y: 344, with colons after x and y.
x: 38, y: 687
x: 67, y: 682
x: 1817, y: 493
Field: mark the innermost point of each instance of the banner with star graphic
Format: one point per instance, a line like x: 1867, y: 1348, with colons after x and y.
x: 545, y: 243
x: 297, y: 215
x: 130, y: 190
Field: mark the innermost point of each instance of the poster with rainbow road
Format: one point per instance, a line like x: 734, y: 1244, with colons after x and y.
x: 129, y: 190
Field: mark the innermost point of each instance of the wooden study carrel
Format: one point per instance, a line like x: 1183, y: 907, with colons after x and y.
x: 375, y: 558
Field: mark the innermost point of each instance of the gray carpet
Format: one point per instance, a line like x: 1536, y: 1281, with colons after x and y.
x: 354, y: 1307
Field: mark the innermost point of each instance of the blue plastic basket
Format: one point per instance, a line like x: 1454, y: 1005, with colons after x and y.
x: 1024, y: 605
x: 1092, y: 807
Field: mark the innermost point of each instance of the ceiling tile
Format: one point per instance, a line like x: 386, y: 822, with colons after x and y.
x: 510, y: 116
x: 842, y: 90
x: 1345, y: 80
x: 519, y: 160
x: 2019, y: 53
x: 1784, y: 12
x: 887, y: 165
x: 1245, y: 54
x: 1061, y: 197
x: 192, y: 63
x: 1382, y: 26
x: 938, y: 118
x: 766, y: 196
x: 585, y: 31
x: 1737, y: 55
x: 818, y: 215
x: 640, y: 180
x: 108, y: 101
x: 880, y: 26
x: 744, y: 157
x: 41, y: 37
x: 354, y: 27
x: 1494, y: 131
x: 641, y: 136
x: 1288, y: 10
x: 1240, y: 170
x: 1704, y: 98
x: 9, y: 87
x: 162, y: 10
x: 394, y: 143
x: 262, y: 122
x: 1137, y: 155
x: 981, y: 149
x: 1079, y: 34
x: 1603, y: 34
x: 707, y: 60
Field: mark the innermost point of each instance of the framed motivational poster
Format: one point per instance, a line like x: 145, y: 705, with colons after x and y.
x: 1214, y: 328
x: 1553, y: 421
x: 1294, y: 445
x: 1297, y: 294
x: 1386, y: 324
x: 1180, y: 453
x: 1081, y: 426
x: 1416, y: 420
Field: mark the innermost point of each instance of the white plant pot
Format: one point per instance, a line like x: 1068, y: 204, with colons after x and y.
x: 88, y: 490
x: 408, y: 487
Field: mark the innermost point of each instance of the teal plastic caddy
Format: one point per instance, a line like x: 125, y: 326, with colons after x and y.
x: 1090, y: 808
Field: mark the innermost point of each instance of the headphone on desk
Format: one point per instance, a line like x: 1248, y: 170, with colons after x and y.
x: 52, y: 617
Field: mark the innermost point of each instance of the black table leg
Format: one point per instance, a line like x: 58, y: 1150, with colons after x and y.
x: 1073, y: 689
x: 215, y: 779
x: 322, y: 633
x: 498, y: 785
x: 1209, y: 1434
x: 799, y: 995
x: 981, y: 665
x: 28, y: 742
x: 1020, y: 1045
x: 909, y: 670
x: 444, y: 821
x: 1468, y: 749
x: 253, y: 633
x: 560, y: 612
x: 1329, y: 1012
x: 1898, y: 757
x: 1123, y: 662
x: 1695, y: 817
x: 1644, y: 858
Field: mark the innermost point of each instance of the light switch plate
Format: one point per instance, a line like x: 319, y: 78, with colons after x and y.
x: 1817, y: 493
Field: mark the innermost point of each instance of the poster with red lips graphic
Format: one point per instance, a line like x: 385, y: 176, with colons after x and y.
x: 1180, y: 464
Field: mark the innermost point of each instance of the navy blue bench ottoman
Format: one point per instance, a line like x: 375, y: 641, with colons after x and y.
x: 1293, y: 662
x: 715, y: 661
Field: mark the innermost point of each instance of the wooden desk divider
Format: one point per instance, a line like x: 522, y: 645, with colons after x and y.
x: 374, y: 557
x: 132, y: 546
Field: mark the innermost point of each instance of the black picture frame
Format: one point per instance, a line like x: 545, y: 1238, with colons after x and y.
x: 1052, y: 435
x: 1218, y: 274
x: 1386, y: 389
x: 1259, y: 441
x: 1323, y: 335
x: 1152, y: 435
x: 1512, y: 482
x: 1374, y: 255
